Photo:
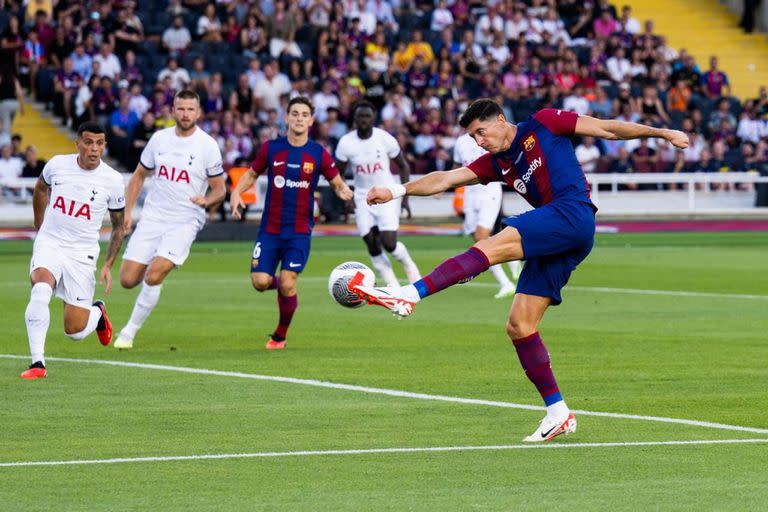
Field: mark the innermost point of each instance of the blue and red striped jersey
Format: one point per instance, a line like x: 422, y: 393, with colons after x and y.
x: 293, y: 173
x: 541, y: 163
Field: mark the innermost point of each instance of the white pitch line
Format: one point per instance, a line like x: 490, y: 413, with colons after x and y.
x: 183, y: 280
x: 394, y: 392
x: 432, y: 449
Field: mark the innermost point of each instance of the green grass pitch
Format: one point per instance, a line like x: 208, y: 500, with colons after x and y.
x: 625, y: 341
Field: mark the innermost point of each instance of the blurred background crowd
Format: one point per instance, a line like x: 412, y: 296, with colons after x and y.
x: 418, y: 61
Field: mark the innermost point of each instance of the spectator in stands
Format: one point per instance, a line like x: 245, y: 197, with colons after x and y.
x: 605, y: 25
x: 176, y: 39
x: 141, y: 135
x: 241, y: 98
x: 209, y: 26
x: 122, y: 122
x: 109, y: 64
x: 11, y: 96
x: 179, y: 76
x: 601, y: 105
x: 129, y: 31
x: 253, y: 36
x: 588, y: 154
x: 377, y: 53
x: 10, y: 170
x: 137, y: 102
x: 31, y: 58
x: 281, y: 27
x: 11, y: 43
x: 16, y: 146
x: 644, y: 160
x: 577, y: 102
x: 627, y: 22
x: 66, y: 84
x: 618, y: 66
x: 714, y: 83
x: 686, y: 69
x: 33, y: 166
x: 706, y: 163
x: 651, y: 109
x: 83, y: 107
x: 103, y: 102
x: 750, y: 128
x: 323, y: 100
x: 61, y: 47
x: 679, y: 97
x: 268, y: 90
x: 720, y: 114
x: 82, y: 63
x: 622, y: 163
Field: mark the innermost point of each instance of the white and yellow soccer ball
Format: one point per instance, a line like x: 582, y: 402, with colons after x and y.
x: 339, y: 279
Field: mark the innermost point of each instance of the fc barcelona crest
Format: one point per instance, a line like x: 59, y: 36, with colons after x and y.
x: 308, y: 167
x: 529, y: 143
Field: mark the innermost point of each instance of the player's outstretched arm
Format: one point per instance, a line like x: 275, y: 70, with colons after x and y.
x: 40, y: 201
x: 115, y: 242
x: 132, y: 191
x: 341, y: 188
x: 621, y: 130
x: 428, y: 185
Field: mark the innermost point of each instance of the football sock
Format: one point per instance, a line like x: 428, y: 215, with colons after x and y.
x: 534, y: 358
x: 145, y: 303
x: 516, y: 267
x: 383, y: 266
x: 501, y: 276
x: 93, y: 321
x: 275, y: 284
x: 287, y: 307
x: 459, y: 269
x: 38, y: 318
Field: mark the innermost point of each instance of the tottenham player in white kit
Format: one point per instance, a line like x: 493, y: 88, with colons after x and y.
x: 367, y: 151
x: 482, y: 204
x: 82, y: 188
x: 184, y: 162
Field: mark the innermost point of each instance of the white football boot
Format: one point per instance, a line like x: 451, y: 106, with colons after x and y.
x: 551, y: 427
x: 123, y: 342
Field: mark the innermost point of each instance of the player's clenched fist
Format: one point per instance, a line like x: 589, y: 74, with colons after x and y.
x: 678, y: 139
x: 378, y: 195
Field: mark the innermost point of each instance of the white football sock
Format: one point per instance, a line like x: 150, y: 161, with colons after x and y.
x: 38, y: 318
x: 558, y: 410
x: 516, y: 267
x: 145, y: 303
x: 384, y: 268
x: 409, y: 292
x: 501, y: 276
x: 401, y: 255
x: 93, y: 321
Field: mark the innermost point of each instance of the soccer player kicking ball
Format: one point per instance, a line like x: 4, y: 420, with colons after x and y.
x: 293, y: 165
x: 82, y: 188
x: 367, y: 150
x: 482, y: 204
x: 537, y: 159
x: 184, y: 162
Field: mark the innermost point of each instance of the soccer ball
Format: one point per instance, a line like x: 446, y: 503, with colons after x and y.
x: 340, y: 277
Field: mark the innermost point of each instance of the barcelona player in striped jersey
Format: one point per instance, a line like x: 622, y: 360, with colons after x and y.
x: 535, y: 158
x: 293, y: 165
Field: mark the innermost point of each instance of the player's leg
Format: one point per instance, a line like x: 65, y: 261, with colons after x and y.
x: 367, y: 228
x: 37, y: 317
x: 295, y: 257
x: 82, y: 316
x: 388, y: 220
x: 267, y: 251
x: 164, y: 248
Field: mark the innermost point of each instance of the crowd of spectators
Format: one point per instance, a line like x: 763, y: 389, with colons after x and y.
x: 419, y: 62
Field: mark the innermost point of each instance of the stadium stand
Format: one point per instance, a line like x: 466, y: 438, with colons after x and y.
x: 420, y: 62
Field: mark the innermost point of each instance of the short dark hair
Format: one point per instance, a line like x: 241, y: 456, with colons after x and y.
x: 482, y: 109
x: 90, y: 127
x: 301, y: 100
x: 363, y: 104
x: 186, y: 94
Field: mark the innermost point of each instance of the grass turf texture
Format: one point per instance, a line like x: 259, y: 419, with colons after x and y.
x: 701, y: 358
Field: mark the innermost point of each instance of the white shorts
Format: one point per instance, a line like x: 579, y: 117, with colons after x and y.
x: 386, y: 216
x: 481, y: 207
x: 75, y: 277
x: 169, y: 241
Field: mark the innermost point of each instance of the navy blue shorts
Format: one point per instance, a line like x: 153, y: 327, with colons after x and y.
x: 291, y: 252
x: 556, y: 238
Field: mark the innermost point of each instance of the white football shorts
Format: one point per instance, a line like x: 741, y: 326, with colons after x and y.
x: 169, y: 241
x: 481, y: 208
x: 75, y: 277
x: 386, y: 216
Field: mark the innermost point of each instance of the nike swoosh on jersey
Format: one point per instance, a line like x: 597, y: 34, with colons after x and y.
x: 505, y: 171
x: 278, y: 163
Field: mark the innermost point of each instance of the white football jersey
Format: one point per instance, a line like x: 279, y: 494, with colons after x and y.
x: 466, y: 151
x: 181, y: 167
x: 79, y: 200
x: 369, y: 158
